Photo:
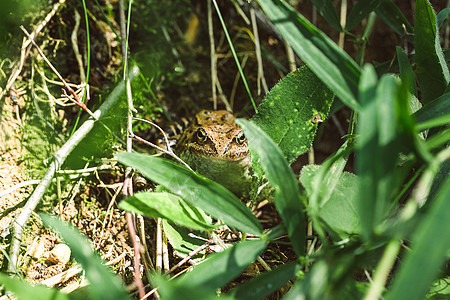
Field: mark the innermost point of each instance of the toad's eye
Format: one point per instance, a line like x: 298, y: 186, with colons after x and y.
x: 239, y: 138
x: 201, y: 135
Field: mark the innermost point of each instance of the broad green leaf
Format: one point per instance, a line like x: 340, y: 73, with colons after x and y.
x: 429, y: 248
x: 436, y: 108
x: 323, y: 184
x: 327, y: 10
x: 268, y: 282
x: 406, y: 72
x: 292, y: 110
x: 431, y: 68
x: 24, y: 290
x: 359, y: 12
x: 331, y: 64
x: 282, y: 179
x: 181, y: 241
x: 103, y: 283
x: 327, y: 178
x: 340, y: 212
x: 442, y: 16
x: 166, y: 206
x: 393, y: 17
x: 220, y: 268
x: 195, y: 189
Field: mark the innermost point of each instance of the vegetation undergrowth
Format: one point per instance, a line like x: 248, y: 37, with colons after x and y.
x: 377, y: 230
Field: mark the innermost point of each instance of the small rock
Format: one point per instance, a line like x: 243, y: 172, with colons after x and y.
x: 60, y: 254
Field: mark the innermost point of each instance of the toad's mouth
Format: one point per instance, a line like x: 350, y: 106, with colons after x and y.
x: 224, y: 155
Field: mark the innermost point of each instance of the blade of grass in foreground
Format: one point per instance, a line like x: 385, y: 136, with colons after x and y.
x: 24, y: 290
x: 103, y: 283
x: 430, y: 244
x: 371, y: 165
x: 436, y: 108
x: 406, y: 71
x: 223, y: 267
x: 266, y: 283
x: 330, y: 63
x: 394, y: 18
x: 167, y: 206
x: 282, y: 179
x: 361, y: 9
x: 431, y: 68
x: 218, y: 269
x: 327, y: 10
x: 213, y: 198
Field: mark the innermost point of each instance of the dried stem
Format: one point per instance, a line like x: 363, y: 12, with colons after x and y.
x: 343, y: 23
x: 188, y: 257
x: 77, y: 99
x: 74, y: 40
x: 212, y: 54
x: 167, y: 151
x: 58, y: 159
x: 26, y: 49
x: 261, y: 77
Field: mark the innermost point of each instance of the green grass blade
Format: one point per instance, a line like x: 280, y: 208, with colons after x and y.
x: 236, y: 59
x: 331, y: 64
x: 431, y: 67
x: 288, y: 111
x: 435, y: 122
x: 361, y: 10
x: 282, y: 179
x: 311, y: 287
x: 265, y: 284
x: 166, y: 206
x: 442, y: 16
x: 211, y: 197
x: 430, y: 245
x: 327, y: 10
x: 223, y: 267
x: 406, y: 71
x: 439, y: 139
x: 181, y: 240
x: 24, y: 290
x: 436, y: 108
x: 394, y: 18
x: 173, y: 289
x: 368, y: 144
x: 103, y: 283
x: 384, y: 129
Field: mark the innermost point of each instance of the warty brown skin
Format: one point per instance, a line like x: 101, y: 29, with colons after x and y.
x: 215, y: 146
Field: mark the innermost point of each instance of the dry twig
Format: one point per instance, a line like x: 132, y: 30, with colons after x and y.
x: 77, y: 99
x: 213, y: 55
x: 58, y: 159
x: 25, y: 47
